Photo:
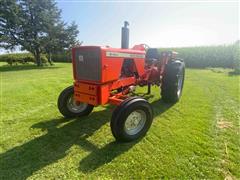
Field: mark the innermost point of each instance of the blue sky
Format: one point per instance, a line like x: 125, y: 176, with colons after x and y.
x: 158, y: 24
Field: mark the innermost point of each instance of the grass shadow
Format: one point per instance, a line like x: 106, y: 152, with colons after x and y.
x: 105, y: 155
x: 6, y: 68
x: 22, y: 161
x: 99, y: 157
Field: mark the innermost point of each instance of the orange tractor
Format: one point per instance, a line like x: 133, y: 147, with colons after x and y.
x: 104, y: 75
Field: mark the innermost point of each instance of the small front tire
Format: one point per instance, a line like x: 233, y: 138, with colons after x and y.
x: 131, y: 119
x: 69, y: 108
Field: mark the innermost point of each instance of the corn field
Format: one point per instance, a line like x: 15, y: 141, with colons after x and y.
x: 226, y: 56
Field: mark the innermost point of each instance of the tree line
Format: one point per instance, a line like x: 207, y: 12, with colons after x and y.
x: 35, y: 26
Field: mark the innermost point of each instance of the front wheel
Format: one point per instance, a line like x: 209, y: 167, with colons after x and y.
x: 131, y: 119
x: 69, y: 108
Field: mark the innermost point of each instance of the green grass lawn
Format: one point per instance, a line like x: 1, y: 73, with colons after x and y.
x: 196, y: 138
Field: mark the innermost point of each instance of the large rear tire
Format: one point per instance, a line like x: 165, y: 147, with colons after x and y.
x: 131, y: 119
x: 69, y: 108
x: 173, y: 80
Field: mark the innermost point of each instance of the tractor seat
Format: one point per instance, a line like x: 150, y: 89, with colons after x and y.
x: 153, y: 53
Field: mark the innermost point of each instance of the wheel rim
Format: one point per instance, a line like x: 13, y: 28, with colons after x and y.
x: 75, y: 107
x: 135, y: 122
x: 180, y: 83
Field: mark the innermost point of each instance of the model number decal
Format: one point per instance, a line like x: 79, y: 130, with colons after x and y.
x: 124, y: 55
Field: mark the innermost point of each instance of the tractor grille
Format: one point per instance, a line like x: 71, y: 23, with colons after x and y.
x: 88, y: 65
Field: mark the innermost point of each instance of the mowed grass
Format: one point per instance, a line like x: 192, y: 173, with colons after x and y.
x: 196, y: 138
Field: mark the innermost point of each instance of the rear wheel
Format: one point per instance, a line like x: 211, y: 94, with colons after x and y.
x: 69, y: 107
x: 131, y: 119
x: 173, y: 80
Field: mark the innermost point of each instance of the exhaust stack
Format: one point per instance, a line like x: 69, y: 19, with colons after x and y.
x: 125, y: 36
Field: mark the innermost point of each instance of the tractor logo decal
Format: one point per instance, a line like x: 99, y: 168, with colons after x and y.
x: 124, y: 55
x: 80, y: 58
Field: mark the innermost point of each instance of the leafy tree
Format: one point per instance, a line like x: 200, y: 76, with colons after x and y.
x: 35, y: 26
x: 53, y: 40
x: 60, y: 38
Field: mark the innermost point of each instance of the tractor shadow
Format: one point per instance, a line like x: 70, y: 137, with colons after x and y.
x: 22, y: 161
x: 99, y: 157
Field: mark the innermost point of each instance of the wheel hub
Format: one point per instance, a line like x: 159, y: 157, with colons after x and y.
x: 180, y: 82
x: 135, y: 122
x: 76, y: 106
